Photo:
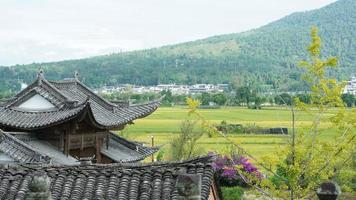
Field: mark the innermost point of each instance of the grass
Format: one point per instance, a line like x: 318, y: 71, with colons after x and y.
x: 164, y: 124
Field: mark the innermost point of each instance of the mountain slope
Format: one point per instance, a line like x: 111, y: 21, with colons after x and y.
x: 264, y: 58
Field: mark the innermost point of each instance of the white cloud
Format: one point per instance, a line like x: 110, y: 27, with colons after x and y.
x: 49, y: 30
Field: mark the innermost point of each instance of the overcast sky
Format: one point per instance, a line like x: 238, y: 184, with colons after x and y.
x: 49, y: 30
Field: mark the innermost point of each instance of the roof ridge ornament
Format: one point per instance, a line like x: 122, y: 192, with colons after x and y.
x: 40, y: 76
x: 76, y: 75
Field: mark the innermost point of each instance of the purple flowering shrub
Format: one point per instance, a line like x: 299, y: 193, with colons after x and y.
x: 227, y: 167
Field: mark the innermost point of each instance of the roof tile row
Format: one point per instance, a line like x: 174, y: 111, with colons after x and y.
x: 116, y: 181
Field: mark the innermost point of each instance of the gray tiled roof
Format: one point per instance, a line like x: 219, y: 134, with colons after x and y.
x: 20, y: 151
x: 57, y: 156
x: 122, y: 150
x: 25, y: 148
x: 114, y: 181
x: 105, y: 113
x: 12, y: 117
x: 70, y: 97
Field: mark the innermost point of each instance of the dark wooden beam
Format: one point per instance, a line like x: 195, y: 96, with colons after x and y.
x: 107, y: 140
x: 81, y: 142
x: 66, y: 145
x: 97, y: 149
x: 70, y: 129
x: 61, y: 141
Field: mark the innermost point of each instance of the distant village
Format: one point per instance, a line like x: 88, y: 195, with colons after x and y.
x: 178, y: 89
x: 174, y: 88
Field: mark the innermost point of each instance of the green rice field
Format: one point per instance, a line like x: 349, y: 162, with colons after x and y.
x: 164, y: 123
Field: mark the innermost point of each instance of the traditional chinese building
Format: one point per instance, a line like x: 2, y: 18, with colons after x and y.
x: 64, y: 121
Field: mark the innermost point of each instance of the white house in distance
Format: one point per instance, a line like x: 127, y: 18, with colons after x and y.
x: 351, y: 86
x: 174, y: 88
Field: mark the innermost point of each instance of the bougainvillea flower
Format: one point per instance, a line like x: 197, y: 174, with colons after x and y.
x: 229, y: 173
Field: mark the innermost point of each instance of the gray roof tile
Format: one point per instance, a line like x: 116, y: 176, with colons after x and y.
x: 70, y: 97
x: 25, y: 148
x: 122, y: 150
x: 12, y: 117
x: 20, y: 151
x: 114, y: 181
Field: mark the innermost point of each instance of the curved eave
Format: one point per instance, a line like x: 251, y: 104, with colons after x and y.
x: 124, y: 115
x: 132, y: 160
x: 154, y: 106
x: 25, y: 120
x: 138, y: 150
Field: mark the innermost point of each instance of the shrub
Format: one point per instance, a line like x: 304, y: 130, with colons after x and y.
x: 227, y: 170
x: 232, y: 193
x: 160, y: 155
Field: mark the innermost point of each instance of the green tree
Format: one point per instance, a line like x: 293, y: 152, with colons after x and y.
x: 349, y: 99
x: 168, y: 97
x: 258, y: 100
x: 283, y: 99
x: 205, y: 98
x: 304, y: 97
x: 219, y: 98
x: 244, y: 95
x: 183, y: 146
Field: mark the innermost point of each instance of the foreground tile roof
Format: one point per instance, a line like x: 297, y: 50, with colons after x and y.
x: 114, y: 181
x: 70, y: 98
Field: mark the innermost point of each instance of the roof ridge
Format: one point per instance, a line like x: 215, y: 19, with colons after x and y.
x: 87, y: 89
x: 56, y: 90
x: 71, y: 80
x: 43, y: 84
x: 200, y: 159
x: 148, y: 102
x: 85, y: 103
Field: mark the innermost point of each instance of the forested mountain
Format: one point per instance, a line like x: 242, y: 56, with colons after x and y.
x: 264, y: 58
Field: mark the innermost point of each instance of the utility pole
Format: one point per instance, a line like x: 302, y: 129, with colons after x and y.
x: 152, y: 144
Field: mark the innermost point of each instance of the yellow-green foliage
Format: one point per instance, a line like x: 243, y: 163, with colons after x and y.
x: 183, y: 146
x: 308, y: 160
